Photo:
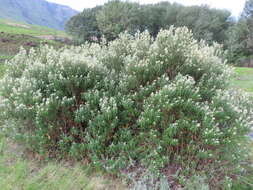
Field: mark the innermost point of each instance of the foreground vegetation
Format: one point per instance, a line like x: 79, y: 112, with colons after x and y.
x: 23, y: 169
x: 19, y: 170
x: 101, y: 103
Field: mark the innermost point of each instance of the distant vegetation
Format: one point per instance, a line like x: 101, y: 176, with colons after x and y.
x: 211, y: 25
x: 240, y: 41
x: 117, y: 16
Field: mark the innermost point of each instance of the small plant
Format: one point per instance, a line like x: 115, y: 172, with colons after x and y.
x: 157, y: 102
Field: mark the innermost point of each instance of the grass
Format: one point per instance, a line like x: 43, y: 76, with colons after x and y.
x: 13, y: 27
x: 243, y: 79
x: 17, y: 172
x: 14, y: 34
x: 10, y: 44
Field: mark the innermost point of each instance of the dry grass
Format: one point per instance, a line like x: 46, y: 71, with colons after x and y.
x: 19, y: 173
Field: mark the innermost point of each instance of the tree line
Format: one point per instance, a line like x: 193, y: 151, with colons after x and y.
x: 209, y: 24
x: 240, y: 35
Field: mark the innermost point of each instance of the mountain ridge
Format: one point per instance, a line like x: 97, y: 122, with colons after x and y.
x: 37, y: 12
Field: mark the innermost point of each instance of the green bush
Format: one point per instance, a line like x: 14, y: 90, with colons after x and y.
x: 139, y: 101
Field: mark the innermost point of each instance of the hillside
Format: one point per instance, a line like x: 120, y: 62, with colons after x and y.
x: 38, y: 12
x: 13, y: 35
x: 14, y: 27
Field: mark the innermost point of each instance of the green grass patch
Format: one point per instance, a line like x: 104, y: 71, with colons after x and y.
x: 14, y: 27
x: 14, y: 34
x: 243, y: 79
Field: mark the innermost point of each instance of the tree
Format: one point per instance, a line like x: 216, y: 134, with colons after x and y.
x: 206, y: 23
x: 154, y: 17
x: 240, y: 36
x: 116, y: 17
x: 247, y: 18
x: 84, y: 27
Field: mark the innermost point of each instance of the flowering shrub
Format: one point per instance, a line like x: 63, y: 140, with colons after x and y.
x: 136, y: 100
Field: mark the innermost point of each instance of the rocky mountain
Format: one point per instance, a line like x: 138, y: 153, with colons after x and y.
x: 38, y: 12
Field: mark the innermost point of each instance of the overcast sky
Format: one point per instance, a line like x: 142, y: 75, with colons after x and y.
x: 235, y: 6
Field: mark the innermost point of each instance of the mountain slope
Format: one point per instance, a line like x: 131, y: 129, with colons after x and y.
x: 39, y: 12
x: 14, y: 35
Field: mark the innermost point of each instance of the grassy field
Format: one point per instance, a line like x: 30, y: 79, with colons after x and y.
x: 13, y: 35
x: 243, y: 79
x: 10, y: 44
x: 20, y: 173
x: 12, y: 27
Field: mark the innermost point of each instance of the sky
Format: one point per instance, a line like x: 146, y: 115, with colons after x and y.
x: 235, y: 6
